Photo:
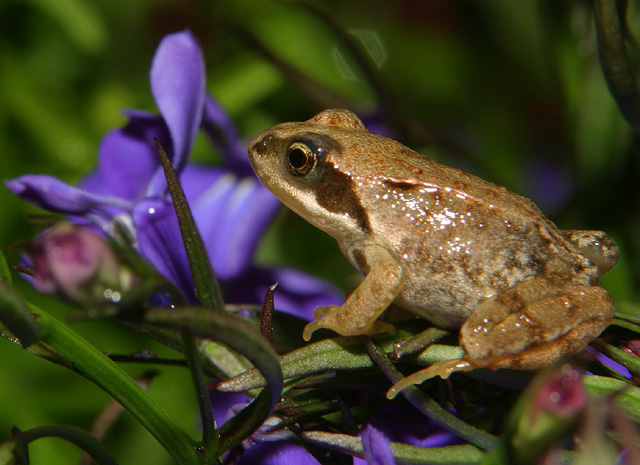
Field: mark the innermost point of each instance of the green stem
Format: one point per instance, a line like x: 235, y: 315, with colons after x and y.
x: 81, y: 438
x: 626, y: 321
x: 615, y: 61
x: 192, y: 355
x: 97, y: 367
x: 230, y: 330
x: 627, y: 396
x: 403, y: 453
x: 429, y: 407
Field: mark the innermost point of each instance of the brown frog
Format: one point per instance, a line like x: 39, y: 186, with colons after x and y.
x: 443, y: 244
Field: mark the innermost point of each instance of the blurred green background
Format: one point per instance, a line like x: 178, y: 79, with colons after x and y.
x: 510, y: 91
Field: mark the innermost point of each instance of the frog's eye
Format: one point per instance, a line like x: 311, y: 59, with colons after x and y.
x: 300, y: 159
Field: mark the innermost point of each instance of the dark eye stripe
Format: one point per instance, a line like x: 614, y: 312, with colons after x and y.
x: 311, y: 157
x: 336, y: 193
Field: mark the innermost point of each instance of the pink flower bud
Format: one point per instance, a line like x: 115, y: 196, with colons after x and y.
x: 632, y: 346
x: 562, y: 394
x: 74, y: 262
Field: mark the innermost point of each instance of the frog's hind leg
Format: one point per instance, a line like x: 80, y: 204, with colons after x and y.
x: 535, y: 323
x: 528, y: 326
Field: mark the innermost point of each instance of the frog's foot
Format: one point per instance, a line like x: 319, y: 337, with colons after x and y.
x: 326, y: 316
x: 332, y: 317
x: 442, y: 369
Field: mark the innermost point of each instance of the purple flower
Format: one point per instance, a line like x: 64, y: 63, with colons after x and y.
x: 273, y: 446
x: 377, y: 450
x: 548, y: 185
x: 127, y: 191
x: 265, y: 446
x: 401, y: 422
x: 277, y: 453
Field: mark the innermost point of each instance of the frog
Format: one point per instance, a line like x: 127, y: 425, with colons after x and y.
x: 447, y: 246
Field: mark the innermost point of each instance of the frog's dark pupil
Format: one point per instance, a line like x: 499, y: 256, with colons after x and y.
x: 297, y: 158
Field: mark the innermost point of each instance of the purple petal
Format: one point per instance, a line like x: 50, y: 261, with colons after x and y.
x: 401, y: 422
x: 196, y: 179
x: 610, y: 363
x: 160, y: 242
x: 549, y: 185
x: 277, y: 453
x: 221, y: 403
x: 375, y: 122
x: 377, y: 450
x: 232, y: 216
x: 128, y: 158
x: 177, y: 84
x: 629, y: 455
x: 225, y: 136
x: 54, y: 195
x: 297, y: 293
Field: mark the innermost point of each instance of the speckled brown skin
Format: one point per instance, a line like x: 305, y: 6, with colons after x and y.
x: 443, y: 244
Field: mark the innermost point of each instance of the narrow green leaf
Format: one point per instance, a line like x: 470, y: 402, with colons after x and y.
x: 192, y: 356
x: 81, y: 21
x: 257, y: 79
x: 204, y: 279
x: 230, y: 330
x: 339, y: 353
x: 206, y: 287
x: 627, y: 395
x: 629, y: 361
x: 615, y: 61
x: 403, y: 453
x: 221, y: 362
x: 626, y: 321
x: 96, y: 367
x: 429, y: 407
x: 15, y: 315
x: 81, y: 438
x: 347, y: 353
x: 5, y: 274
x: 385, y: 95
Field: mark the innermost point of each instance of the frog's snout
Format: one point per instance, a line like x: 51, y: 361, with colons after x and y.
x: 254, y: 146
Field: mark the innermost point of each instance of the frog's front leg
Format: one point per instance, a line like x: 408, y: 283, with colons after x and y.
x: 528, y: 326
x: 359, y: 314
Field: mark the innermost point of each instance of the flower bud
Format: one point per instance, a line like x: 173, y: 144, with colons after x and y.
x: 551, y: 408
x: 561, y: 395
x: 8, y: 452
x: 79, y: 265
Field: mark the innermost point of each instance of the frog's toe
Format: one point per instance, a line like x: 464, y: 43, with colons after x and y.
x: 442, y: 369
x: 310, y: 329
x: 381, y: 327
x: 326, y: 317
x: 324, y: 310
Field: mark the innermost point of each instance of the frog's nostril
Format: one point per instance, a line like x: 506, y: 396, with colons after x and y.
x: 259, y: 146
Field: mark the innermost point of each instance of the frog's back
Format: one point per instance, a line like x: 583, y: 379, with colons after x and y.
x: 461, y: 239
